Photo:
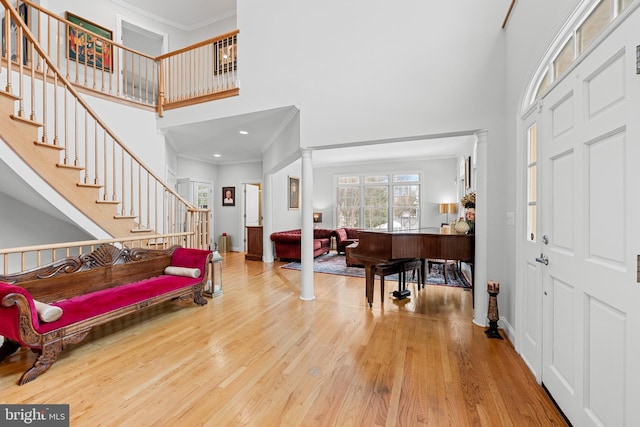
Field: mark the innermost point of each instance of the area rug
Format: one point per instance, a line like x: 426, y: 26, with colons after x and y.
x: 333, y: 263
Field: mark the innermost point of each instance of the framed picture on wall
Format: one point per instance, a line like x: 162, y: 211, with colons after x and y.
x: 226, y: 52
x: 228, y: 196
x: 294, y: 192
x: 23, y: 11
x: 87, y: 43
x: 467, y: 173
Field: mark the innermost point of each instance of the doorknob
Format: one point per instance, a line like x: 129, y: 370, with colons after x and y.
x: 542, y: 259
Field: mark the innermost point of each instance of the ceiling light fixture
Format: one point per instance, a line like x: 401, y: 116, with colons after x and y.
x: 244, y: 132
x: 216, y: 155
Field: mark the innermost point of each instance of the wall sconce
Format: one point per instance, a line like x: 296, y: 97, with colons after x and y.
x: 317, y: 217
x: 448, y: 208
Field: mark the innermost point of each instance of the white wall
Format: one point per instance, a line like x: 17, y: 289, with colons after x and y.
x: 283, y: 218
x: 142, y: 139
x: 22, y: 225
x: 531, y: 29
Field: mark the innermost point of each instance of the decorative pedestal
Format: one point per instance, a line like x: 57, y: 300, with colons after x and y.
x: 224, y: 244
x: 213, y: 287
x: 493, y: 288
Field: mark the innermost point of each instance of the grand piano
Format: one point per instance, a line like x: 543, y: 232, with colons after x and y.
x: 382, y: 247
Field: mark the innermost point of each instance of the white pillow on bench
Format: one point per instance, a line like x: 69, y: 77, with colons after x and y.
x: 182, y: 271
x: 46, y: 312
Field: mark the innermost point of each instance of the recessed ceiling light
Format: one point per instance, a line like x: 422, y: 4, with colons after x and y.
x: 216, y: 155
x: 244, y: 132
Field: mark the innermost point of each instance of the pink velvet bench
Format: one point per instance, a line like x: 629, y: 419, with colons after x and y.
x: 90, y: 290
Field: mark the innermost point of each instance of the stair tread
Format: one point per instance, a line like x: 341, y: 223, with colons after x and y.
x: 47, y: 145
x: 60, y: 165
x: 141, y: 230
x: 26, y: 120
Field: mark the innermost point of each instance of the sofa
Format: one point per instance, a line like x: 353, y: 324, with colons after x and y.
x: 344, y: 237
x: 51, y: 307
x: 288, y: 243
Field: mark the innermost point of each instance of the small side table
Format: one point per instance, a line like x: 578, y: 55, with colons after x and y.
x: 347, y: 256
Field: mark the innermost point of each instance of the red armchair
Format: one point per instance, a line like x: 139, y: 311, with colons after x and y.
x: 344, y: 237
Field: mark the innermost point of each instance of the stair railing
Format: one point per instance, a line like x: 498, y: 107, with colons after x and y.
x: 93, y: 62
x: 200, y: 72
x: 89, y: 58
x: 15, y: 260
x: 69, y: 124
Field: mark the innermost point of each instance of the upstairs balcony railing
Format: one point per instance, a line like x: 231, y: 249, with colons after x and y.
x: 89, y: 59
x: 44, y: 82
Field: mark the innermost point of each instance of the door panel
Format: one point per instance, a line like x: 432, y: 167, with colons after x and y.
x: 588, y: 295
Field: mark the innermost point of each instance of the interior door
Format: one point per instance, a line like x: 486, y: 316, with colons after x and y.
x: 251, y: 207
x: 589, y: 286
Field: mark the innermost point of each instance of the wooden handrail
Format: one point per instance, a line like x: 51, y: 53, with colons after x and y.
x: 212, y: 40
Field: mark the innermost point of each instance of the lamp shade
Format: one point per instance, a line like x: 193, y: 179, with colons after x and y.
x: 443, y: 208
x: 317, y: 217
x: 452, y: 208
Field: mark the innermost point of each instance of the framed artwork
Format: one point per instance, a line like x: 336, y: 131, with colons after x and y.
x: 294, y: 192
x: 87, y: 43
x: 226, y: 52
x: 228, y: 196
x: 467, y: 173
x: 23, y: 11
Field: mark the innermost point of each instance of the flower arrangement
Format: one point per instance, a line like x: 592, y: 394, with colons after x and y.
x: 469, y: 200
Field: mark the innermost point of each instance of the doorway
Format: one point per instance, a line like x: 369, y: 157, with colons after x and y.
x: 252, y: 208
x: 136, y: 77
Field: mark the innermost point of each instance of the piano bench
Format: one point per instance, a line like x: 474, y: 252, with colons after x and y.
x: 401, y: 268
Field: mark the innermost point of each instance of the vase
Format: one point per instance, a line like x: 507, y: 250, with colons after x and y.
x: 462, y: 227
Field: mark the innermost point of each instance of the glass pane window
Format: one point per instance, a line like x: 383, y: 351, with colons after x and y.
x: 594, y: 24
x: 376, y: 207
x: 564, y: 58
x: 406, y: 178
x: 348, y: 207
x: 376, y: 179
x: 345, y: 180
x: 375, y: 202
x: 544, y: 84
x: 532, y: 182
x: 406, y: 207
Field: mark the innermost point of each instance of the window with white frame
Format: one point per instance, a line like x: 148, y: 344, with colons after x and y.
x: 586, y: 29
x: 378, y: 201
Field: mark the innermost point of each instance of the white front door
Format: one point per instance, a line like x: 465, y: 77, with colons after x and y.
x: 590, y: 295
x: 530, y: 304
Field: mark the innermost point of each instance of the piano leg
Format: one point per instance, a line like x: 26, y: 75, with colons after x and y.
x: 369, y: 278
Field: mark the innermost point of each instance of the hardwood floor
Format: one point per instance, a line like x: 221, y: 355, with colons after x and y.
x: 259, y: 356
